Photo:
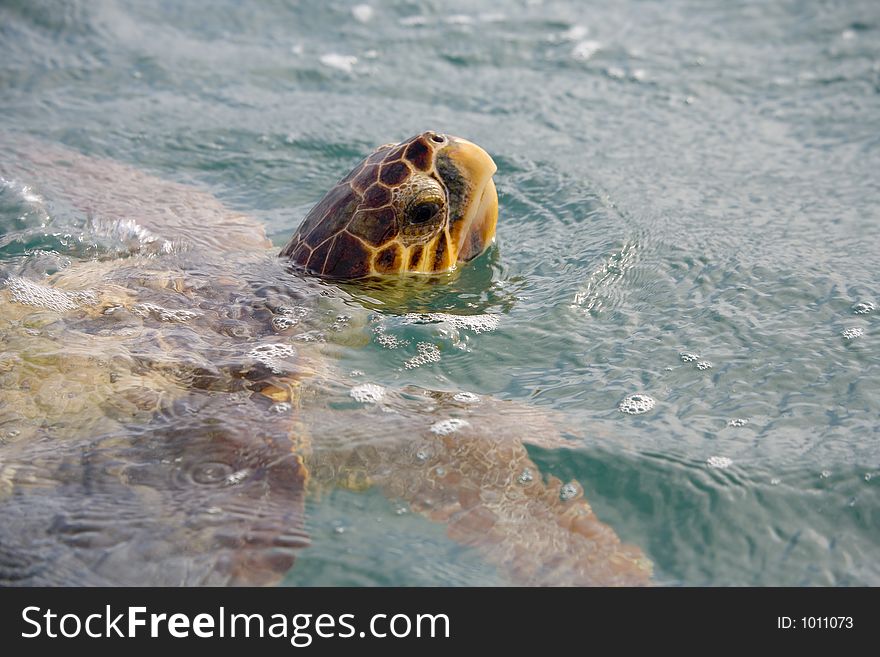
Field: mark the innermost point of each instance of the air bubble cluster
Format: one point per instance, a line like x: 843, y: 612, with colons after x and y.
x: 688, y: 358
x: 525, y: 476
x: 852, y: 333
x: 163, y: 314
x: 719, y: 462
x: 863, y: 308
x: 569, y: 491
x: 445, y: 427
x: 367, y: 393
x: 428, y: 353
x: 288, y: 316
x: 738, y: 422
x: 272, y: 355
x: 33, y: 294
x: 386, y: 339
x: 466, y: 398
x: 636, y: 404
x: 235, y: 478
x: 475, y: 323
x: 704, y: 365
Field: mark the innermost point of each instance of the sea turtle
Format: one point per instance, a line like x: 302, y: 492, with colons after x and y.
x: 167, y: 403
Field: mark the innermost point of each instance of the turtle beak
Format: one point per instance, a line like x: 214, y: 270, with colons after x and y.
x: 472, y: 226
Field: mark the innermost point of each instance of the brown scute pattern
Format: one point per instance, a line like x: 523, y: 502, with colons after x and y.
x: 377, y: 196
x: 387, y: 260
x: 419, y: 154
x: 365, y: 178
x: 342, y: 235
x: 292, y: 246
x: 397, y: 153
x: 379, y: 155
x: 394, y: 173
x: 348, y: 259
x: 354, y: 172
x: 374, y: 226
x: 298, y: 252
x: 329, y: 216
x: 319, y: 255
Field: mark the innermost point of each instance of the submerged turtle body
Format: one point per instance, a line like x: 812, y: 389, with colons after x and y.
x: 164, y: 415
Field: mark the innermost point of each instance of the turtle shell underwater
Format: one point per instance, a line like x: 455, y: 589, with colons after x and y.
x: 167, y: 405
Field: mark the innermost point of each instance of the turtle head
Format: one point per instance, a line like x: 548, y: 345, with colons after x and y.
x: 422, y: 205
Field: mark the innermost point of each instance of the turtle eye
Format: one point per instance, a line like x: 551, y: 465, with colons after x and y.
x: 436, y: 138
x: 424, y: 212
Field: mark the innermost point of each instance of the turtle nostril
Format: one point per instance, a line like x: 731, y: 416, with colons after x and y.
x: 436, y: 138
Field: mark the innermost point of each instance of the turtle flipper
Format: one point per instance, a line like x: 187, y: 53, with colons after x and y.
x: 493, y: 498
x: 477, y: 478
x: 186, y: 500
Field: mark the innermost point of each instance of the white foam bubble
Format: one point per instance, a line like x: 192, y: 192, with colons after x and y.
x: 569, y: 491
x: 340, y: 62
x: 574, y: 33
x: 271, y: 355
x: 459, y: 19
x: 132, y: 236
x: 444, y: 427
x: 636, y: 404
x: 863, y: 308
x: 413, y: 21
x: 26, y: 194
x: 428, y: 353
x: 719, y: 462
x: 466, y: 398
x: 29, y: 293
x: 525, y: 476
x: 163, y: 314
x: 362, y: 13
x: 367, y: 393
x: 386, y: 339
x: 853, y: 332
x: 288, y: 316
x: 688, y: 358
x: 235, y: 478
x: 704, y: 365
x: 738, y: 422
x: 584, y: 50
x: 476, y: 323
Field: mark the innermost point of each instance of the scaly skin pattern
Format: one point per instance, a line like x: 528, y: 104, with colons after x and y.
x: 368, y: 223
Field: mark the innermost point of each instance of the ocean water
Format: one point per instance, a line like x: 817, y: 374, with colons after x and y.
x: 689, y: 211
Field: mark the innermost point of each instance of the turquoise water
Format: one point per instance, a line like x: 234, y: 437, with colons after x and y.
x: 674, y: 178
